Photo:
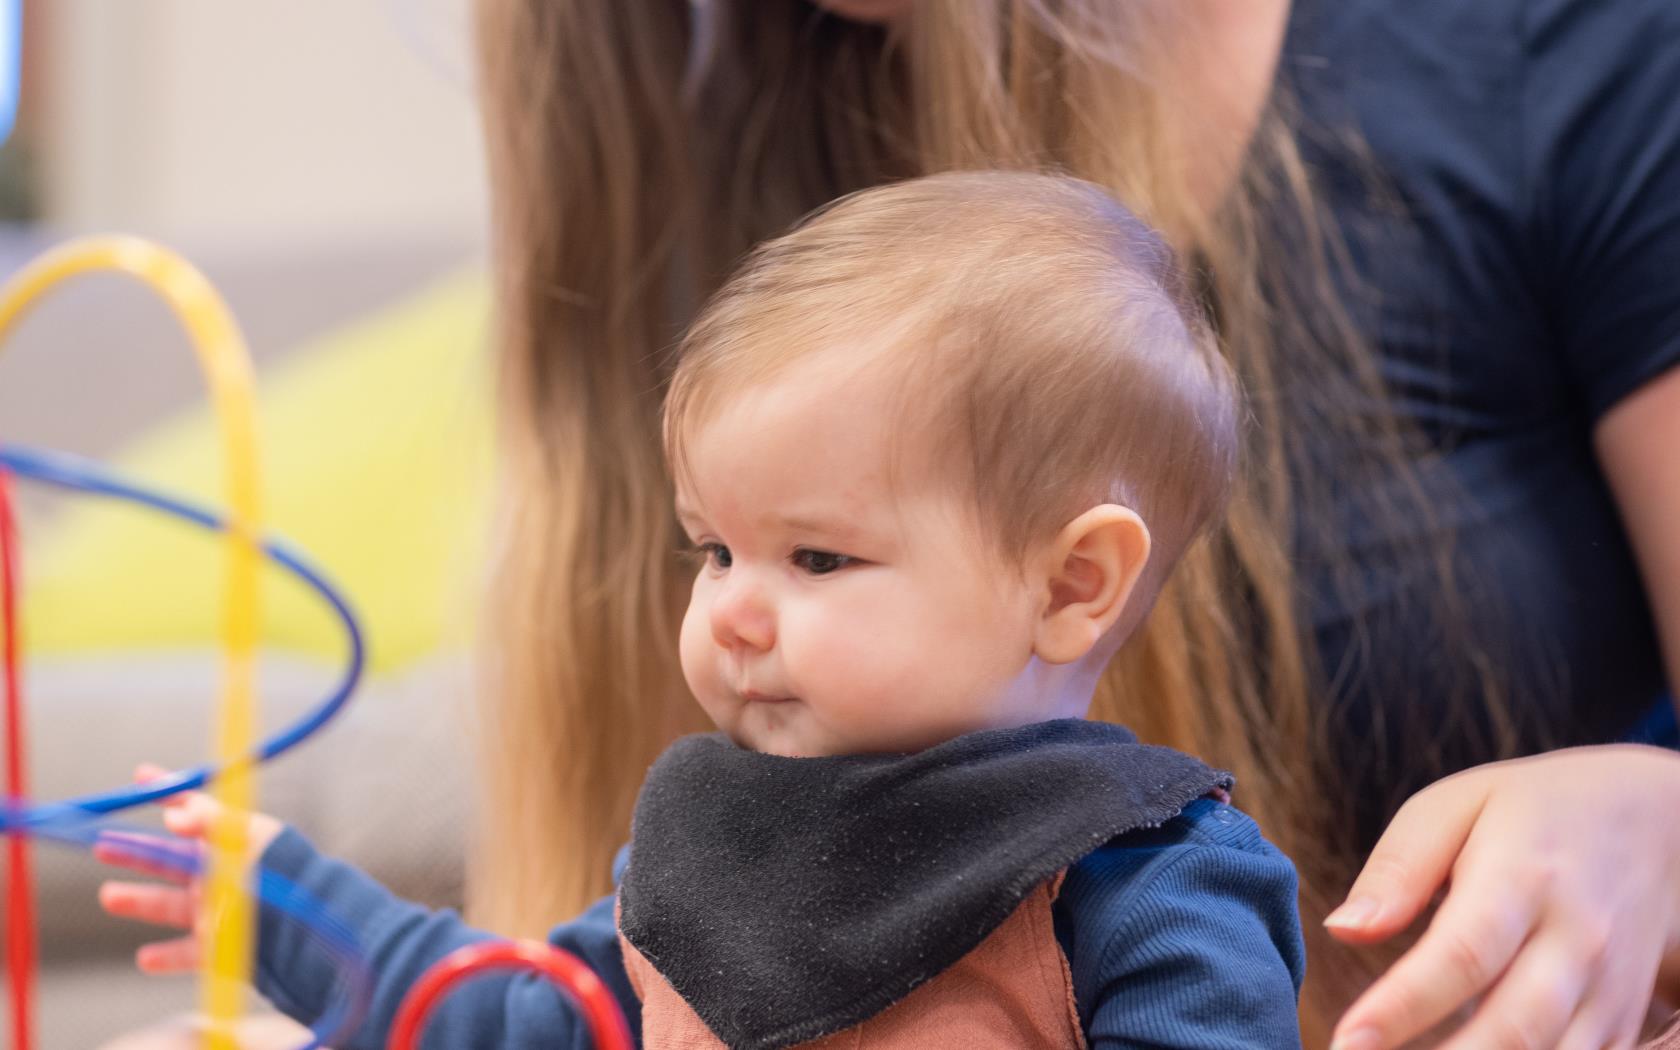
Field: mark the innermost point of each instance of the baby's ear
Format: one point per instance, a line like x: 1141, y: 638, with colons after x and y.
x: 1092, y: 567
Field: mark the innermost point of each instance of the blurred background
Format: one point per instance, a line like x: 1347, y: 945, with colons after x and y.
x: 320, y: 161
x: 325, y: 151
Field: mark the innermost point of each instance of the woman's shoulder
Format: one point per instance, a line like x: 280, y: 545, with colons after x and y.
x: 1492, y: 27
x: 1534, y: 147
x: 1490, y: 60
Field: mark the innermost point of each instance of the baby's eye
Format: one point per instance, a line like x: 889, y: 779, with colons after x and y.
x: 820, y: 563
x: 715, y: 555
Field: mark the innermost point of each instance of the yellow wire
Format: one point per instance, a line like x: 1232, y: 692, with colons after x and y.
x: 227, y: 907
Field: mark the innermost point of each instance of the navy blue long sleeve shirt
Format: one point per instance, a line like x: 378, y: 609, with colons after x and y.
x: 1184, y: 935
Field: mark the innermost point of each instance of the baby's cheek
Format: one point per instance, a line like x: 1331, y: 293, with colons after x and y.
x: 897, y: 688
x: 694, y: 651
x: 873, y: 650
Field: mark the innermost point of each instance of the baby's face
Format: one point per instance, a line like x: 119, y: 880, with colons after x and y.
x: 834, y: 612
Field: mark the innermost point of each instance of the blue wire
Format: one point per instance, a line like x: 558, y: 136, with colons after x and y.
x: 11, y: 64
x: 65, y: 471
x: 73, y: 821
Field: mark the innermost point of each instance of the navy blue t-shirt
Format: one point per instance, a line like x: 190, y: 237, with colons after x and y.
x: 1534, y: 282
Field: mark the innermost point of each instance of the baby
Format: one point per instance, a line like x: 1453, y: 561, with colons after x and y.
x: 937, y: 450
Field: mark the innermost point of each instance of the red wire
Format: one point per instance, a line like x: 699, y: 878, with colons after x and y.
x: 20, y: 899
x: 606, y: 1023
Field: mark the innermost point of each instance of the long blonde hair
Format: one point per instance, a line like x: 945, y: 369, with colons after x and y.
x: 637, y: 151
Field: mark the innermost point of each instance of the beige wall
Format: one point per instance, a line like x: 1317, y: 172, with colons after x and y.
x: 261, y: 121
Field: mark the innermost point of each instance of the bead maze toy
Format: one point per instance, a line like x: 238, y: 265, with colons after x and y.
x: 231, y: 889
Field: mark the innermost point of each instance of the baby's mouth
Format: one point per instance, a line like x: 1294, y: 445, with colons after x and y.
x: 754, y: 696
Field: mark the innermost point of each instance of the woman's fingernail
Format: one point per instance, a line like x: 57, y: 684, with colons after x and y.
x: 1351, y: 916
x: 1358, y: 1039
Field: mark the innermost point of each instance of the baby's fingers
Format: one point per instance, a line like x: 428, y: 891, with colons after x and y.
x: 153, y: 855
x: 191, y: 815
x: 1471, y: 940
x: 181, y: 955
x: 147, y: 772
x: 186, y: 813
x: 149, y: 902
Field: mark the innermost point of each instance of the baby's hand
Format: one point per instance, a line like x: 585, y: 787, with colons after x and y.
x: 190, y: 815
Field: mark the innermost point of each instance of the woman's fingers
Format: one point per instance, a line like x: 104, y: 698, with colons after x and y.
x: 1616, y: 1007
x: 1479, y: 929
x: 181, y: 955
x: 1597, y: 1029
x: 149, y: 902
x: 1535, y: 1002
x: 1410, y: 861
x: 1560, y: 908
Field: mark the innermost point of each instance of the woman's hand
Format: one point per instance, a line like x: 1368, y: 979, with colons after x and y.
x: 1564, y: 899
x: 173, y: 902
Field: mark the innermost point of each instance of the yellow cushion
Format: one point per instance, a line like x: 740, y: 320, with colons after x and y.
x: 376, y: 463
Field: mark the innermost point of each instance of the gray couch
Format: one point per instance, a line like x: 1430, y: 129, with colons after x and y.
x: 384, y: 786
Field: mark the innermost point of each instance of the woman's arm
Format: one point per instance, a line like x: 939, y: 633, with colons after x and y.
x: 1638, y: 444
x: 1562, y: 871
x: 1537, y: 921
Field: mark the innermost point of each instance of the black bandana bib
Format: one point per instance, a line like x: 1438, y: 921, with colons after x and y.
x: 788, y: 898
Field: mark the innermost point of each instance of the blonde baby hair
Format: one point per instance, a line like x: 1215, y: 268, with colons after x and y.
x: 1049, y: 351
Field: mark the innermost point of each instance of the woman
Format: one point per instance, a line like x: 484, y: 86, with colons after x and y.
x: 1440, y: 240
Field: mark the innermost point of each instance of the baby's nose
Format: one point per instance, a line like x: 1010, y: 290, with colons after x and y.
x: 743, y: 615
